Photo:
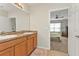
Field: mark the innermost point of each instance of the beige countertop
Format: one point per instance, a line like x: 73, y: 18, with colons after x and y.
x: 15, y: 35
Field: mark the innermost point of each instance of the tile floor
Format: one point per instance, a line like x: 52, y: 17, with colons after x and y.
x: 57, y: 49
x: 44, y: 52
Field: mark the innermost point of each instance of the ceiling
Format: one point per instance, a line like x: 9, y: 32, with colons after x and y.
x: 39, y: 4
x: 10, y: 7
x: 34, y: 4
x: 7, y: 7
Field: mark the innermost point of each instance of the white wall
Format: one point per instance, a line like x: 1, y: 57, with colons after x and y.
x: 39, y: 21
x: 22, y: 19
x: 4, y: 21
x: 73, y: 41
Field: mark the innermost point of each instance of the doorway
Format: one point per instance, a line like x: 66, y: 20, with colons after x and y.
x: 59, y: 30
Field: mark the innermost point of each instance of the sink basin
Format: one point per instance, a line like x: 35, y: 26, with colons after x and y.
x: 7, y: 36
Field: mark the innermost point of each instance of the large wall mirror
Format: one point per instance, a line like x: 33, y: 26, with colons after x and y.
x: 12, y: 18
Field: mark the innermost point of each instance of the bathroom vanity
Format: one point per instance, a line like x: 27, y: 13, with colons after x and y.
x: 18, y: 44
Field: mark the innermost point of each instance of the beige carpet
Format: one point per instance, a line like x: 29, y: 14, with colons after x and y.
x: 44, y: 52
x: 60, y: 46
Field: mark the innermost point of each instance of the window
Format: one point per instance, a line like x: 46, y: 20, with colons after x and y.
x: 55, y: 27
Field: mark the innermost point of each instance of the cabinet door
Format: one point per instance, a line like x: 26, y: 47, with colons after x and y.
x: 35, y: 41
x: 7, y: 52
x: 32, y: 43
x: 20, y: 49
x: 28, y: 46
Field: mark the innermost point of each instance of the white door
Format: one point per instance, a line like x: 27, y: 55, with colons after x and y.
x: 73, y: 22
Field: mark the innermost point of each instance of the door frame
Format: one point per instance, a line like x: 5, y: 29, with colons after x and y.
x: 53, y: 10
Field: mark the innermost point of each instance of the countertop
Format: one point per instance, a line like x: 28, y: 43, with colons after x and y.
x: 18, y: 34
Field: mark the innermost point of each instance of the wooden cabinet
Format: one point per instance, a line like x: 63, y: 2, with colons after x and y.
x: 20, y: 49
x: 7, y: 52
x: 31, y: 43
x: 20, y: 46
x: 35, y: 41
x: 28, y: 46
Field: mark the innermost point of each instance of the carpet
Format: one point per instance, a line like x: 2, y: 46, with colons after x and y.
x: 57, y: 39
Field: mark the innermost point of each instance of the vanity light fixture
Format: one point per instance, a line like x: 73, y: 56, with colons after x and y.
x: 22, y: 7
x: 19, y: 5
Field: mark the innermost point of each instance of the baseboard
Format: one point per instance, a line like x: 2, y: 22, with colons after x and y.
x: 43, y: 47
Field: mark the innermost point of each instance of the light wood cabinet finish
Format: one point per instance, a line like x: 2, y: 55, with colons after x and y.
x: 20, y: 49
x: 30, y: 44
x: 22, y: 46
x: 35, y: 41
x: 7, y: 52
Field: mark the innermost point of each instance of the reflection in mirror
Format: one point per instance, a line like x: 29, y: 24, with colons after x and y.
x: 12, y: 18
x: 13, y: 24
x: 4, y: 21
